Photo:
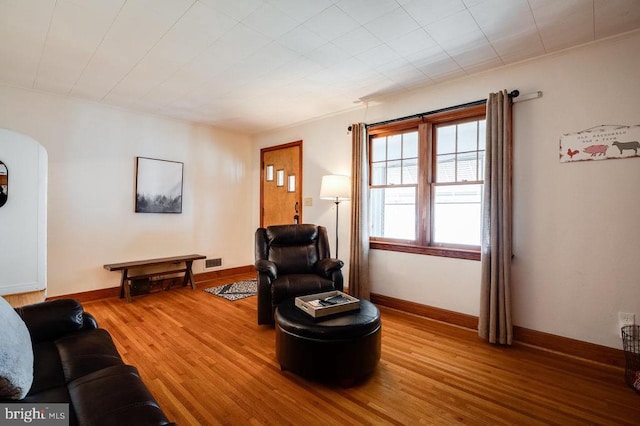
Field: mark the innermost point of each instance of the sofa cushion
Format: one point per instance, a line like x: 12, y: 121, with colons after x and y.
x: 53, y: 396
x: 16, y: 354
x: 47, y: 372
x: 86, y: 352
x: 60, y: 361
x: 127, y: 402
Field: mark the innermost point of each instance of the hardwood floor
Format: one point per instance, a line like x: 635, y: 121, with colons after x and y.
x: 208, y: 362
x: 21, y: 299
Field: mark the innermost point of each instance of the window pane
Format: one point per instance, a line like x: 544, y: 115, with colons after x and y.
x: 457, y: 214
x: 446, y: 139
x: 394, y: 172
x: 481, y: 165
x: 410, y: 145
x: 468, y: 136
x: 482, y: 134
x: 394, y: 147
x: 410, y: 171
x: 393, y: 213
x: 467, y: 166
x: 378, y: 174
x: 379, y: 149
x: 446, y: 168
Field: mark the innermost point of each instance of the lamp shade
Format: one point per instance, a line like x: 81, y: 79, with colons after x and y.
x: 335, y: 187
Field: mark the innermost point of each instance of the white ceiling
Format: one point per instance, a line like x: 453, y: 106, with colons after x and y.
x: 252, y: 65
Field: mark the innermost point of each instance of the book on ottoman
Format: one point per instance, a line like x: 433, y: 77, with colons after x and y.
x: 328, y: 303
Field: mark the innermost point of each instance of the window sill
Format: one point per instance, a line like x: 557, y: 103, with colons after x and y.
x: 429, y: 251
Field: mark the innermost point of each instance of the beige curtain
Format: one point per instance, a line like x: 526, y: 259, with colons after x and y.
x: 495, y: 292
x: 359, y: 250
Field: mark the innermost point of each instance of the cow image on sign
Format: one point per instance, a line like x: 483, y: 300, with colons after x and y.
x: 600, y: 143
x: 635, y: 145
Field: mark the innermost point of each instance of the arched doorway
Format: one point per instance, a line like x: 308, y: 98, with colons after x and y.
x: 23, y: 216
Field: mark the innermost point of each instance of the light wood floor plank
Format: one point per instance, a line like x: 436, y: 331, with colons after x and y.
x: 208, y: 362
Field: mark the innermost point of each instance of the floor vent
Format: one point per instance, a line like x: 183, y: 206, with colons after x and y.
x: 213, y: 263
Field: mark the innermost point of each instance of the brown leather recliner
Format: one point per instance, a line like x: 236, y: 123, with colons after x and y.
x: 293, y: 260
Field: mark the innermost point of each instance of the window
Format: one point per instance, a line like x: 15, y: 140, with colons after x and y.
x: 394, y: 184
x: 426, y: 184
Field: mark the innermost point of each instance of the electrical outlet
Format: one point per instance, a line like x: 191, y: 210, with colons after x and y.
x: 625, y: 318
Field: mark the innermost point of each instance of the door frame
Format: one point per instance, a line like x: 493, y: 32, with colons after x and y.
x: 297, y: 143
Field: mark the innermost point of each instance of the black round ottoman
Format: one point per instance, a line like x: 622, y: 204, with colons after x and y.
x: 343, y: 348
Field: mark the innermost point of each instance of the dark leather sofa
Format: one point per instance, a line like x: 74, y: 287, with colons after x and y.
x: 293, y: 260
x: 76, y: 362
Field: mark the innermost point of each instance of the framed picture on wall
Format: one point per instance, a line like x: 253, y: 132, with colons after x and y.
x: 158, y: 186
x: 4, y: 184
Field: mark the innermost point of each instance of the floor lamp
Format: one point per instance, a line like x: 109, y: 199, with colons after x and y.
x: 335, y: 188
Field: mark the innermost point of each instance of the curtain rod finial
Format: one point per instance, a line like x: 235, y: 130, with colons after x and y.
x: 514, y: 93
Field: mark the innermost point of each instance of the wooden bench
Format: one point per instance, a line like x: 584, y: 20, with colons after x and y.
x: 125, y: 267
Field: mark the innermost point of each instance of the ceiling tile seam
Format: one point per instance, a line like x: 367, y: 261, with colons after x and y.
x: 382, y: 42
x: 362, y: 24
x: 188, y: 93
x: 485, y: 36
x: 435, y: 41
x: 177, y: 70
x: 172, y: 102
x: 308, y: 19
x: 95, y: 51
x: 535, y: 21
x: 181, y: 67
x: 149, y: 50
x: 44, y: 45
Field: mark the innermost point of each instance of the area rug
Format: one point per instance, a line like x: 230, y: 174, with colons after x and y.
x: 235, y: 291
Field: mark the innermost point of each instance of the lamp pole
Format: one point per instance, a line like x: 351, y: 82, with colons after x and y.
x: 337, y: 204
x: 336, y: 188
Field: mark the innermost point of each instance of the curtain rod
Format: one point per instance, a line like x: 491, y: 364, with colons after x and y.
x: 512, y: 94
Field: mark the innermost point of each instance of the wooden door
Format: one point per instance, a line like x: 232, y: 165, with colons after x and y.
x: 281, y: 184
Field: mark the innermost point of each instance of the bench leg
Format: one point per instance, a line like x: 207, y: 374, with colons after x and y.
x: 188, y: 275
x: 123, y: 285
x: 125, y: 289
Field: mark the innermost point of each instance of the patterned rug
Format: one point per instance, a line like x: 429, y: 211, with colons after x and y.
x: 235, y: 291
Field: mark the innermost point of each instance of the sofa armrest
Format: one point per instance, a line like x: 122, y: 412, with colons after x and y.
x: 53, y: 319
x: 267, y: 267
x: 326, y: 267
x: 88, y: 321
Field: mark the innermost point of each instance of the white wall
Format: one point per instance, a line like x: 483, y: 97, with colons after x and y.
x: 92, y: 151
x: 23, y: 218
x: 576, y: 235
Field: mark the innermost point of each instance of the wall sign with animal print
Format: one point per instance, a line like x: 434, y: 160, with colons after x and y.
x: 600, y: 143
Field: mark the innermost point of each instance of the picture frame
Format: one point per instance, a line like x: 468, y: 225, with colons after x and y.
x: 158, y: 186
